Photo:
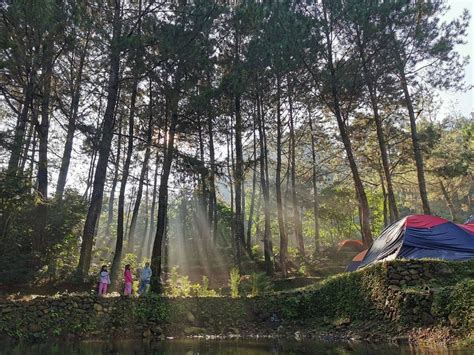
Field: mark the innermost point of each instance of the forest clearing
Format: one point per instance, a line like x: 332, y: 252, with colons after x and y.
x: 292, y: 171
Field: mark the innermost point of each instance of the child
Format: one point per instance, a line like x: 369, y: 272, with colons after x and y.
x: 104, y: 280
x: 128, y: 279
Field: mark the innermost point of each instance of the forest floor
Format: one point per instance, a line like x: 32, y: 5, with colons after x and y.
x: 331, y: 263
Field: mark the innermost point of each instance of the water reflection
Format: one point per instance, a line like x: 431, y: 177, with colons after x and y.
x: 221, y: 347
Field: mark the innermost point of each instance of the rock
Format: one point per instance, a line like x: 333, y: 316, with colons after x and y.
x: 157, y: 330
x: 190, y: 317
x: 454, y: 320
x: 35, y: 328
x: 298, y: 335
x: 401, y: 339
x: 234, y: 330
x: 413, y: 272
x: 98, y: 307
x: 395, y: 276
x: 394, y: 288
x: 147, y: 333
x: 445, y: 270
x: 7, y: 310
x: 340, y: 322
x: 193, y: 331
x: 427, y: 318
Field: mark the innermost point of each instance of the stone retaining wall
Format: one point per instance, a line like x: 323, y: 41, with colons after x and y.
x: 405, y: 294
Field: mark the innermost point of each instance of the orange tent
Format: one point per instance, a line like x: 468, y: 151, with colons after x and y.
x: 356, y: 245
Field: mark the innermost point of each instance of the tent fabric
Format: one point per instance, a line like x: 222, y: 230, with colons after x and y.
x: 354, y: 264
x: 422, y: 236
x: 469, y: 227
x: 423, y: 221
x: 354, y: 244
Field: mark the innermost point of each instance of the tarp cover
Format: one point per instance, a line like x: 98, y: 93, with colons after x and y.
x: 422, y: 236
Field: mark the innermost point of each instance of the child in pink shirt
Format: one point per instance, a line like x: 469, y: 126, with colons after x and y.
x: 104, y: 280
x: 128, y: 280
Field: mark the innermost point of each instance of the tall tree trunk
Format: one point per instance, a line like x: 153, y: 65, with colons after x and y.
x: 29, y: 137
x: 361, y: 196
x: 147, y: 221
x: 212, y: 211
x: 254, y: 186
x: 136, y: 208
x: 110, y: 210
x: 42, y: 128
x: 281, y: 222
x: 71, y: 128
x: 104, y: 149
x: 239, y: 161
x: 385, y: 198
x: 149, y: 244
x: 121, y: 201
x: 90, y: 174
x: 449, y: 202
x: 203, y: 174
x: 156, y: 257
x: 32, y: 158
x: 416, y: 144
x: 371, y: 86
x: 317, y: 237
x: 230, y: 169
x: 20, y: 128
x: 296, y: 212
x: 267, y: 236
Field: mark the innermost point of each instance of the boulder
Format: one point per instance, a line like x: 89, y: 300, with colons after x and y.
x: 35, y: 327
x: 427, y: 318
x: 190, y: 317
x: 193, y: 331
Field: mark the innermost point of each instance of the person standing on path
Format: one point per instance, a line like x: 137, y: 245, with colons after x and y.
x: 128, y: 280
x: 145, y: 277
x: 104, y: 280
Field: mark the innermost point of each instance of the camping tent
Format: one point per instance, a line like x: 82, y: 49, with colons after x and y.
x: 353, y: 244
x: 420, y: 236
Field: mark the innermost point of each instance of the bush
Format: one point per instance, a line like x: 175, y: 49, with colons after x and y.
x: 257, y: 284
x: 234, y: 282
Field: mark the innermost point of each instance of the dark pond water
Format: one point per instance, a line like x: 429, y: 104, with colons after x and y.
x: 221, y: 347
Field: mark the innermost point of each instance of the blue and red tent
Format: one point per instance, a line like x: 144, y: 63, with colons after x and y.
x: 420, y: 236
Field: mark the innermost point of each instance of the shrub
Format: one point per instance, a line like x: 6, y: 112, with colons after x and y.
x: 234, y: 282
x: 178, y: 285
x: 257, y: 284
